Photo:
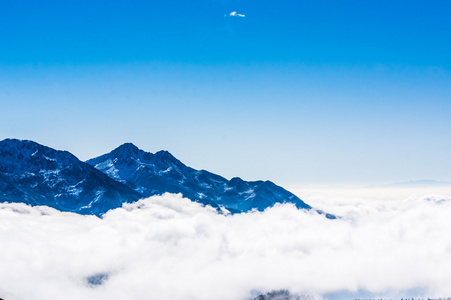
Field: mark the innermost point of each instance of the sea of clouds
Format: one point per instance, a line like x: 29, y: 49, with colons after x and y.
x: 387, y: 243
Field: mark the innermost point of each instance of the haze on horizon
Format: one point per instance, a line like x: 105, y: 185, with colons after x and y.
x: 294, y: 92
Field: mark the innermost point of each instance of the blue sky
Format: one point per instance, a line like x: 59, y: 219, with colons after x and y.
x: 295, y: 91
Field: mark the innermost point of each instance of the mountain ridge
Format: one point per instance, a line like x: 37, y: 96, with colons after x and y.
x: 152, y: 174
x: 39, y: 175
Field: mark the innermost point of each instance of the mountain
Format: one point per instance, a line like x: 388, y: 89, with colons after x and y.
x: 39, y: 175
x: 153, y: 174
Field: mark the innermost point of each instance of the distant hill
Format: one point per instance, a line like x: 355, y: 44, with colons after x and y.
x: 420, y: 183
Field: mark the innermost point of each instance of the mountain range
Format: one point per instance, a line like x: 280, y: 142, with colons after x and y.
x: 38, y: 175
x: 420, y: 183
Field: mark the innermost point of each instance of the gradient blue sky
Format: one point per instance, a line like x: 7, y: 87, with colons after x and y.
x: 295, y: 92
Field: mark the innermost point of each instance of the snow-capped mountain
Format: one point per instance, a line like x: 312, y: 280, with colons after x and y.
x: 39, y: 175
x: 151, y: 174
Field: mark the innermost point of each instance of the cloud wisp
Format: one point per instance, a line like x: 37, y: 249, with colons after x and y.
x: 172, y: 248
x: 235, y: 14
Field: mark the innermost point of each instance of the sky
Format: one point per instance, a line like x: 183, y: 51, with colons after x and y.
x: 296, y: 92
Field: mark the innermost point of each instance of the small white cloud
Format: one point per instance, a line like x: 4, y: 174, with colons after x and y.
x: 235, y: 14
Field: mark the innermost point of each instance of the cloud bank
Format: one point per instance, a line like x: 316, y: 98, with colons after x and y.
x: 167, y: 247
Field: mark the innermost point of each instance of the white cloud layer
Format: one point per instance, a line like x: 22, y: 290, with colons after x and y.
x: 235, y: 14
x: 168, y: 247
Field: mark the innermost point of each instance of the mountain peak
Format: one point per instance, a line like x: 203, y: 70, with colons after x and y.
x: 126, y: 150
x: 19, y: 155
x: 165, y: 155
x: 27, y: 145
x: 127, y: 147
x: 17, y: 142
